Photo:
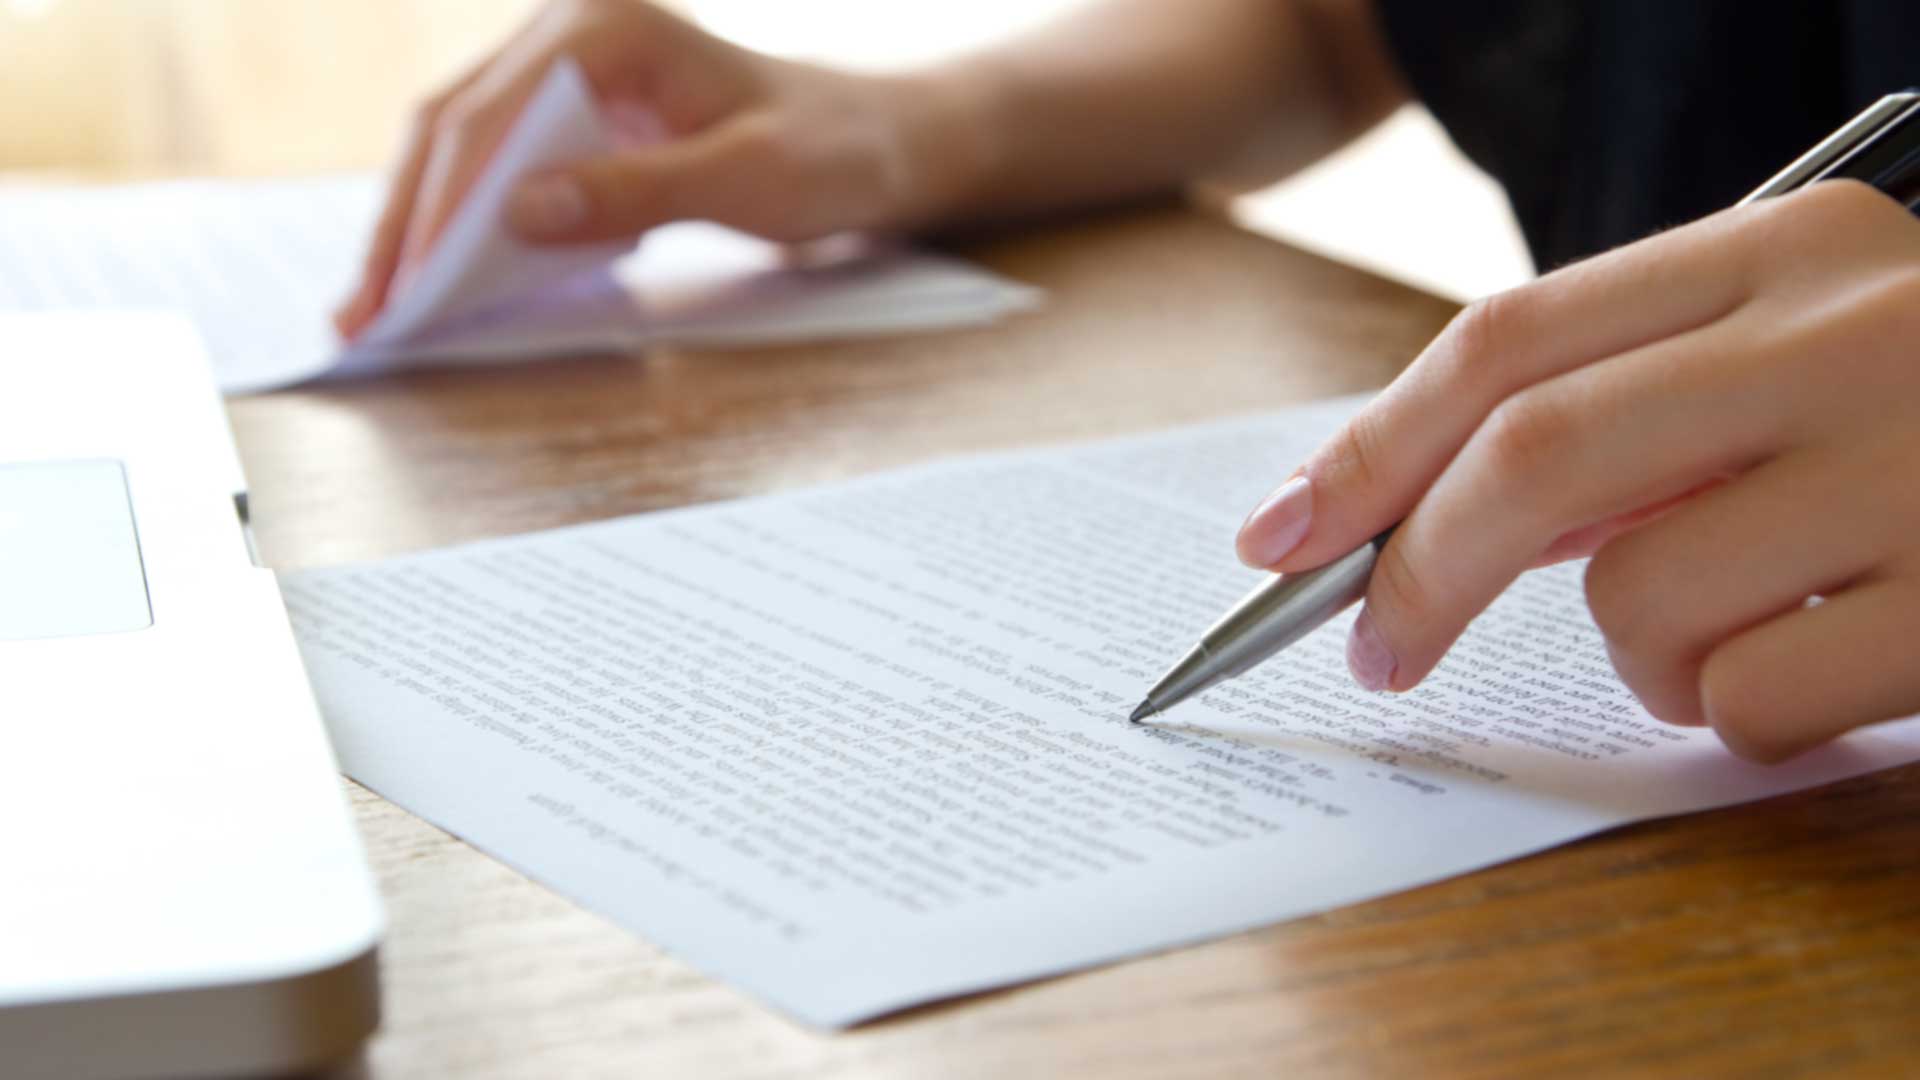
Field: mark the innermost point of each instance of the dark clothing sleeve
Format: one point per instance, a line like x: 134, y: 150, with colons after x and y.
x: 1608, y: 120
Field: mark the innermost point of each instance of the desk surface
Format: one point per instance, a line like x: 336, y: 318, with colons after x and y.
x: 1779, y: 937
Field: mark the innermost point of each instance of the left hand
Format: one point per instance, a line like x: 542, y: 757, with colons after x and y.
x: 786, y: 150
x: 1726, y: 416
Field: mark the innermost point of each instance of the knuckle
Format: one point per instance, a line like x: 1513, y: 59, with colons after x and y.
x: 1820, y: 212
x: 1478, y: 335
x: 1670, y: 693
x: 1353, y: 458
x: 1617, y: 597
x: 1524, y: 432
x: 1841, y: 200
x: 1737, y: 703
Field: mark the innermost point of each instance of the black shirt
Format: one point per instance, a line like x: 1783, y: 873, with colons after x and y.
x: 1610, y: 119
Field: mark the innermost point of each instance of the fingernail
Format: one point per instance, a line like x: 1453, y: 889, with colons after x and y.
x: 1368, y: 656
x: 546, y: 205
x: 1277, y: 525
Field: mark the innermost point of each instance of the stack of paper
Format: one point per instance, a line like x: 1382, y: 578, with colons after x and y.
x: 261, y: 265
x: 859, y: 747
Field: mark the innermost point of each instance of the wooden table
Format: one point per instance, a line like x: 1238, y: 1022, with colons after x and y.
x: 1778, y: 938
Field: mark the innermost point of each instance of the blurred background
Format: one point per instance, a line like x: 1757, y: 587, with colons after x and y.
x: 131, y: 89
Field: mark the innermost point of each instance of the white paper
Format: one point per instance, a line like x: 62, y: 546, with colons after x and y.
x: 261, y: 265
x: 478, y: 263
x: 864, y: 746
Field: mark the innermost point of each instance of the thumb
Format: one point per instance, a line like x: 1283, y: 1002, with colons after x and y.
x: 623, y: 195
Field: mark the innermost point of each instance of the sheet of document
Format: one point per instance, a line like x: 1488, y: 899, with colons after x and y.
x: 260, y: 265
x: 864, y: 746
x: 478, y: 264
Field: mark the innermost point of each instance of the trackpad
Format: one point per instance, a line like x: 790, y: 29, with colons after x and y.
x: 69, y: 554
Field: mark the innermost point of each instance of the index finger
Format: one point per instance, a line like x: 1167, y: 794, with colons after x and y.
x: 472, y: 125
x: 382, y: 262
x: 466, y: 136
x: 1375, y: 469
x: 383, y: 250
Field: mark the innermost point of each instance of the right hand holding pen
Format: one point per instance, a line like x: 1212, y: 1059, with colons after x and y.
x: 784, y: 150
x: 1725, y: 415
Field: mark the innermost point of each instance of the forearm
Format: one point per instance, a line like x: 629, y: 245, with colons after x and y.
x: 1129, y: 97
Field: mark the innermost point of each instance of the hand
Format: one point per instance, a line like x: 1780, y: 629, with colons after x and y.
x: 1727, y: 416
x: 784, y: 150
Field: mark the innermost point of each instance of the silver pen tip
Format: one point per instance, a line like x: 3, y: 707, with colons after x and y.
x: 1145, y: 710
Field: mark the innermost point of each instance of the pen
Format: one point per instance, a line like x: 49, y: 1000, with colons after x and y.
x: 1881, y: 146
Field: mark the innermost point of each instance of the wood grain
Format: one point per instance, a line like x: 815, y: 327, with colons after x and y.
x: 1780, y: 938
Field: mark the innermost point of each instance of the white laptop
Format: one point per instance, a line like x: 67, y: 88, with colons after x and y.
x: 182, y: 892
